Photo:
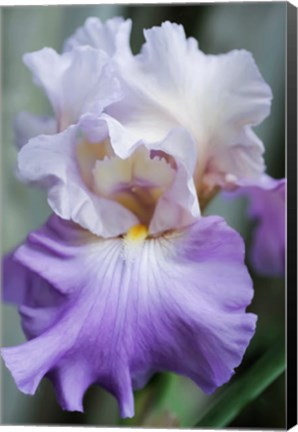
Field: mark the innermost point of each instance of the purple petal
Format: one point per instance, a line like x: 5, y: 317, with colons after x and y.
x: 23, y: 287
x: 266, y: 205
x: 174, y: 303
x: 39, y: 303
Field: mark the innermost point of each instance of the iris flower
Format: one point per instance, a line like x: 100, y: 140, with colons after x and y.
x: 127, y: 278
x: 218, y: 99
x: 149, y: 285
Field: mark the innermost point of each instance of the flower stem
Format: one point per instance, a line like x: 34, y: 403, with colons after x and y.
x: 247, y: 388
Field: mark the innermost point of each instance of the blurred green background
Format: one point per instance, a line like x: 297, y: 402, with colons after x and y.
x: 168, y: 400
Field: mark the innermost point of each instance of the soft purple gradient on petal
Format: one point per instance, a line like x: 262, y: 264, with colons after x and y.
x: 176, y: 303
x: 267, y: 206
x: 39, y: 303
x: 16, y: 280
x: 21, y: 286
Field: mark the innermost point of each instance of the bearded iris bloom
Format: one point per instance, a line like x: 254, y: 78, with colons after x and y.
x: 127, y: 278
x: 218, y: 99
x: 134, y: 294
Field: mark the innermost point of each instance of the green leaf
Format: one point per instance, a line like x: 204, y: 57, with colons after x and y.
x: 248, y: 387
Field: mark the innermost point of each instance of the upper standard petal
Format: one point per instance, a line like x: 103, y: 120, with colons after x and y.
x: 217, y: 98
x: 112, y: 37
x: 104, y: 178
x: 76, y: 82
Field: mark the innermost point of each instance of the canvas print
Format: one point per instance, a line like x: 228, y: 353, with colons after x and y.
x: 143, y: 276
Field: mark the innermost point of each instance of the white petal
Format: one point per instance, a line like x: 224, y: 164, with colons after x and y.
x: 111, y: 37
x: 76, y: 82
x: 51, y: 162
x: 179, y: 205
x: 109, y: 173
x: 216, y: 98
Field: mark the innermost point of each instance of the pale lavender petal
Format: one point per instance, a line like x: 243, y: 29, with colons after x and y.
x: 51, y: 161
x: 267, y: 207
x: 76, y: 82
x: 179, y: 205
x: 111, y: 37
x: 27, y: 126
x: 173, y: 303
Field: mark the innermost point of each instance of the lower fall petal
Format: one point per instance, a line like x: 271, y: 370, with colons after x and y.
x: 22, y: 287
x: 133, y: 307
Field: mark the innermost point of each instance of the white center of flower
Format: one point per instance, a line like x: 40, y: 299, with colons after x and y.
x: 136, y: 182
